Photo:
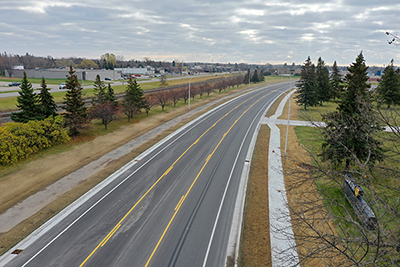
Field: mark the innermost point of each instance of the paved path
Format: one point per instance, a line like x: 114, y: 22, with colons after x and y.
x: 283, y: 244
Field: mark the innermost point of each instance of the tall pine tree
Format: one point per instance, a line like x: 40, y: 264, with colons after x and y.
x: 255, y: 78
x: 323, y: 86
x: 132, y: 102
x: 247, y: 78
x: 75, y: 110
x: 389, y: 87
x: 27, y: 103
x: 48, y: 106
x: 99, y: 91
x: 336, y: 82
x: 261, y: 76
x: 306, y: 86
x: 350, y: 131
x: 110, y: 96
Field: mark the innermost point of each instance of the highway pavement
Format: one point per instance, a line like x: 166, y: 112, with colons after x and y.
x: 172, y: 206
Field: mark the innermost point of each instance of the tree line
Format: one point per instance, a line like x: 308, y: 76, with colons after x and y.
x: 104, y: 105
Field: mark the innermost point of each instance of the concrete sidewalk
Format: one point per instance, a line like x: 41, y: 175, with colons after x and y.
x: 283, y: 244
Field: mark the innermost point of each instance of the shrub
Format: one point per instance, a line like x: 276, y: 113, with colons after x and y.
x: 20, y: 140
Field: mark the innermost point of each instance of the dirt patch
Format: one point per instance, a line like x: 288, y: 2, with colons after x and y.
x: 255, y: 241
x: 294, y: 109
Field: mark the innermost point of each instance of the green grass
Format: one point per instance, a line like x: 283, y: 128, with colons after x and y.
x: 314, y: 113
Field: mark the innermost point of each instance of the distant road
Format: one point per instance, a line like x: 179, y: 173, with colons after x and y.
x: 54, y: 88
x: 171, y: 207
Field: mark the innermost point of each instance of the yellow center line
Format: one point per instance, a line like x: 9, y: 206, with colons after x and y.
x: 178, y: 206
x: 102, y: 243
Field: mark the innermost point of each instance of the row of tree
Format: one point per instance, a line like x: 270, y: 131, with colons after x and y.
x: 255, y: 77
x: 104, y: 105
x: 316, y: 85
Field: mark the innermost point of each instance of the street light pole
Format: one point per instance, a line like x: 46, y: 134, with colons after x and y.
x: 287, y: 128
x: 189, y: 91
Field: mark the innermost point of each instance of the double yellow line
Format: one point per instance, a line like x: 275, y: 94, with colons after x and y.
x: 112, y: 232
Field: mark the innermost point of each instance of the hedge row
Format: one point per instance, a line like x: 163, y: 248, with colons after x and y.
x: 20, y: 140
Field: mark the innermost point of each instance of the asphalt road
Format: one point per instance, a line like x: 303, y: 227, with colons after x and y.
x: 172, y: 208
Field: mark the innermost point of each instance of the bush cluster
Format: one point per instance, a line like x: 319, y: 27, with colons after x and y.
x: 20, y: 140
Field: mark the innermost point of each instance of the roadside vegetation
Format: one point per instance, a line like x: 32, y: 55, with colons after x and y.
x: 329, y: 230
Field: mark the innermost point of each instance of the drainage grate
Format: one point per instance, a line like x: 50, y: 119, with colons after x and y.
x: 17, y: 251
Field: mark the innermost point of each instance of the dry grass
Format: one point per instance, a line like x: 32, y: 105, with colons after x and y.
x: 255, y: 241
x: 294, y: 109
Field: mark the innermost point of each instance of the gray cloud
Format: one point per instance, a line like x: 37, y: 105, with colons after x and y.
x: 253, y: 31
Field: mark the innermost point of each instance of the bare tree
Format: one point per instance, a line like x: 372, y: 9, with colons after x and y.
x: 163, y: 80
x: 104, y: 111
x: 174, y: 95
x: 184, y: 94
x: 7, y: 62
x: 163, y: 98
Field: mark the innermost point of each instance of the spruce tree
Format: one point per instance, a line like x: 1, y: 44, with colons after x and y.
x: 261, y: 76
x: 389, y: 88
x: 255, y: 78
x: 350, y: 131
x: 306, y: 86
x: 27, y: 103
x: 75, y: 110
x: 247, y: 77
x: 132, y: 101
x: 323, y: 85
x: 99, y: 91
x: 110, y: 96
x: 336, y: 82
x: 48, y: 106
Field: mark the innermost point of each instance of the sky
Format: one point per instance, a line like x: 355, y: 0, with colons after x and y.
x: 251, y: 31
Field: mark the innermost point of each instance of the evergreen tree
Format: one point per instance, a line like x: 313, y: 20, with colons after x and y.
x: 261, y: 76
x: 48, y: 106
x: 99, y: 91
x: 255, y: 78
x: 110, y: 96
x: 132, y: 101
x: 336, y: 82
x: 75, y: 110
x: 350, y: 131
x: 323, y: 86
x: 104, y: 104
x: 306, y: 86
x: 246, y: 77
x: 389, y: 87
x: 27, y: 103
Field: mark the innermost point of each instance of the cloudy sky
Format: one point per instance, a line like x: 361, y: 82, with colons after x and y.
x: 251, y: 31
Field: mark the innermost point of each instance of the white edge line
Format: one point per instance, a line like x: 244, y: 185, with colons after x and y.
x: 227, y: 185
x: 236, y: 228
x: 7, y: 256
